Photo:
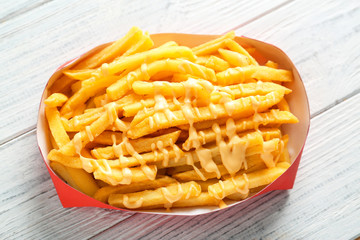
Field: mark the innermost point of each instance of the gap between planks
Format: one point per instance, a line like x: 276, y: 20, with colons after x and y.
x: 261, y: 15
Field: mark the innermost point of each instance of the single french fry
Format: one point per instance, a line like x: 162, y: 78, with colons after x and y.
x: 205, y: 184
x: 181, y: 77
x: 144, y: 44
x: 213, y: 45
x: 109, y: 53
x: 271, y: 64
x: 77, y: 178
x: 123, y: 85
x: 204, y: 199
x: 76, y: 86
x: 234, y: 46
x: 56, y: 100
x: 79, y: 74
x: 217, y: 64
x: 139, y: 145
x: 174, y: 170
x: 198, y: 87
x: 241, y: 108
x: 161, y: 196
x: 115, y: 176
x: 234, y: 58
x: 285, y: 156
x: 283, y: 105
x: 243, y: 74
x: 83, y: 180
x: 103, y: 193
x: 56, y: 127
x: 62, y: 84
x: 238, y: 196
x: 272, y: 117
x: 255, y: 179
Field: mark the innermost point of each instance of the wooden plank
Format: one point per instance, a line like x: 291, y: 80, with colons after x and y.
x: 36, y: 42
x: 322, y: 38
x: 30, y: 208
x: 323, y: 203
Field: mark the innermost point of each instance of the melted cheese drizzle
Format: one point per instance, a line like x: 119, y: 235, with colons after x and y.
x: 204, y: 155
x: 132, y: 205
x: 232, y: 153
x: 89, y: 133
x: 172, y: 198
x: 245, y: 188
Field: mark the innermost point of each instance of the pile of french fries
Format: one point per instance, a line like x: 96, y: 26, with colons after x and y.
x: 143, y: 127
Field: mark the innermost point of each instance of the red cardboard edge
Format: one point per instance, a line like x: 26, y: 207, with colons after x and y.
x: 70, y: 197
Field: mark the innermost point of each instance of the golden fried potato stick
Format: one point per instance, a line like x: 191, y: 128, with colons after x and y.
x: 240, y: 107
x: 77, y: 178
x: 110, y: 52
x: 56, y: 100
x: 271, y: 64
x: 140, y: 145
x: 103, y: 193
x: 115, y: 176
x: 217, y: 64
x: 205, y: 184
x: 123, y: 85
x: 238, y: 183
x: 160, y: 196
x: 181, y: 77
x: 76, y: 86
x: 79, y: 74
x: 234, y: 46
x: 272, y: 117
x: 234, y: 58
x: 174, y: 170
x: 204, y: 199
x: 285, y: 156
x: 283, y: 105
x: 171, y: 89
x: 213, y: 62
x: 57, y: 129
x: 144, y: 44
x: 133, y: 108
x: 243, y: 74
x: 213, y: 45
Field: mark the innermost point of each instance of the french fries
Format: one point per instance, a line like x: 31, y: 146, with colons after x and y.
x: 169, y: 126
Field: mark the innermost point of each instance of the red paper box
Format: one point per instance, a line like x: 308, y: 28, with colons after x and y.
x: 297, y: 100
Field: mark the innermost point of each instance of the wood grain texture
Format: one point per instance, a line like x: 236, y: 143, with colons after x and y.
x: 324, y: 204
x: 34, y: 43
x: 30, y: 208
x: 322, y: 38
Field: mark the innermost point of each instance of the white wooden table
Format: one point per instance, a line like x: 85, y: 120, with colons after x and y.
x: 321, y: 37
